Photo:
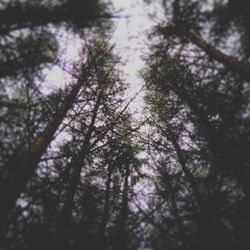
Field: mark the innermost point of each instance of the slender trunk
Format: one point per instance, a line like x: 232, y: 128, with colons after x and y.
x: 105, y: 215
x: 189, y: 176
x: 121, y: 237
x: 203, y: 217
x: 124, y: 209
x: 64, y: 219
x: 230, y: 62
x: 175, y: 210
x: 66, y: 212
x: 26, y: 164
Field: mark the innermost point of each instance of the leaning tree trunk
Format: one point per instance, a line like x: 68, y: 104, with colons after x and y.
x: 190, y: 178
x: 121, y: 238
x: 27, y: 163
x: 64, y: 219
x: 106, y: 208
x: 176, y: 213
x: 230, y: 62
x: 204, y: 219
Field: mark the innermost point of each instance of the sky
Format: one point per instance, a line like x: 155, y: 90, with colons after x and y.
x: 130, y: 39
x: 130, y: 35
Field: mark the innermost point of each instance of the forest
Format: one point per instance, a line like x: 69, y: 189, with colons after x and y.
x: 80, y: 171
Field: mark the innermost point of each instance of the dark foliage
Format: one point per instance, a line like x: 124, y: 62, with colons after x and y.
x: 79, y: 172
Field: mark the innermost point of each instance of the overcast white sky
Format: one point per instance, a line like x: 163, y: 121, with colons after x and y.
x: 130, y: 34
x: 130, y: 38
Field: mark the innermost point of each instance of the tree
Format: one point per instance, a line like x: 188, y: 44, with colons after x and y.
x: 26, y: 163
x: 181, y: 27
x: 66, y: 198
x: 187, y: 96
x: 79, y: 172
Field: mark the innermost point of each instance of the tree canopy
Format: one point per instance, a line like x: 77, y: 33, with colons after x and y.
x: 80, y: 171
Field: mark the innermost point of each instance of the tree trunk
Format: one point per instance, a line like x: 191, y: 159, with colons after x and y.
x: 105, y: 215
x: 27, y: 163
x: 121, y: 236
x: 230, y: 62
x: 203, y: 217
x: 66, y: 212
x: 179, y: 222
x: 189, y: 176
